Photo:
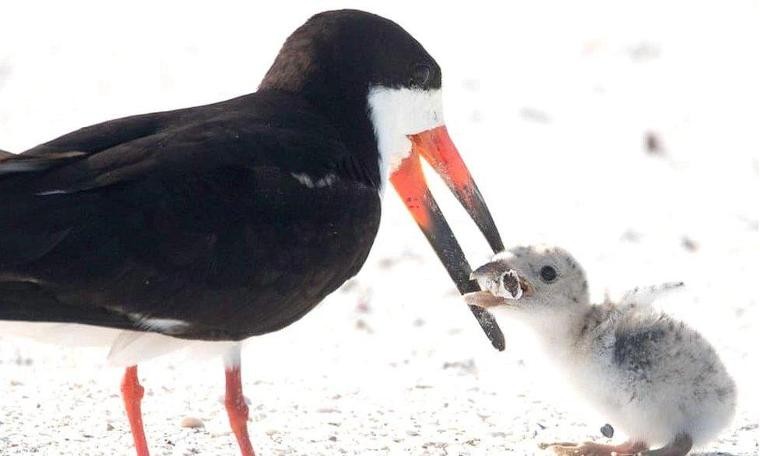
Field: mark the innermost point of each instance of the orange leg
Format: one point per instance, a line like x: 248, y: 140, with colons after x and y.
x: 132, y: 392
x: 237, y: 410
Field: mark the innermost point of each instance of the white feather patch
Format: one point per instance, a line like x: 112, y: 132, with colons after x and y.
x: 53, y: 192
x: 308, y: 181
x: 164, y: 325
x: 67, y: 334
x: 398, y: 113
x: 132, y: 347
x: 232, y: 356
x: 127, y: 347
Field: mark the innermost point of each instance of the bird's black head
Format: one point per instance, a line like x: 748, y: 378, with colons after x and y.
x: 339, y: 54
x: 366, y: 74
x: 382, y: 91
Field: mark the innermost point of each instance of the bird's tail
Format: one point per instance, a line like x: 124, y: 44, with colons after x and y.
x: 24, y: 301
x: 28, y: 301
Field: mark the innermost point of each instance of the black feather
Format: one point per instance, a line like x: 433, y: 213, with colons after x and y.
x: 191, y: 215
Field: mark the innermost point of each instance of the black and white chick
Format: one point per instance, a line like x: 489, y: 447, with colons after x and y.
x: 651, y: 376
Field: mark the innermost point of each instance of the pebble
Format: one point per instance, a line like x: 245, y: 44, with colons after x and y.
x: 191, y: 422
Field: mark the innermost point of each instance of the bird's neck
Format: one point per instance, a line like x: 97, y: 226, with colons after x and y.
x: 558, y: 330
x: 349, y: 115
x: 303, y: 68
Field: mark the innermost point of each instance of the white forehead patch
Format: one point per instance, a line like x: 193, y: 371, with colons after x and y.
x: 397, y: 113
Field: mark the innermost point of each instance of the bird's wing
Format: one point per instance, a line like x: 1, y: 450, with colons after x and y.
x: 51, y: 188
x: 232, y: 133
x: 122, y: 168
x: 645, y: 296
x: 30, y: 224
x: 83, y: 143
x: 185, y: 206
x: 10, y: 163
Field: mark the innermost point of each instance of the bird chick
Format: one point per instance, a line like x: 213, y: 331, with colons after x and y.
x: 652, y: 376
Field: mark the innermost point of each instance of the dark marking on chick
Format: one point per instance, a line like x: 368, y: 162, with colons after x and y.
x: 722, y: 393
x: 635, y: 350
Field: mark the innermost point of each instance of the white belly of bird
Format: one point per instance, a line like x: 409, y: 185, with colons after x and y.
x: 127, y: 348
x: 685, y: 390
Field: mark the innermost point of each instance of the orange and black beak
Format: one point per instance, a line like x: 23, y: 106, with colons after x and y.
x: 436, y: 147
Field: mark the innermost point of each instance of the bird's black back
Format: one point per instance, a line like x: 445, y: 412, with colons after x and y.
x: 192, y: 215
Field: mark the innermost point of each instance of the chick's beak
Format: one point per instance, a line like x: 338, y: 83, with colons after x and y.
x: 436, y: 147
x: 492, y: 278
x: 484, y: 300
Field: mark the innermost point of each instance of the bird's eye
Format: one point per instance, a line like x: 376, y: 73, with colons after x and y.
x: 548, y: 274
x: 420, y: 75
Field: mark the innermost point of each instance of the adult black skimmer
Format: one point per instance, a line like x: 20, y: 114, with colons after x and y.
x: 231, y: 220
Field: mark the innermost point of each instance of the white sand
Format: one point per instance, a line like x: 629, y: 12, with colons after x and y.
x: 547, y: 102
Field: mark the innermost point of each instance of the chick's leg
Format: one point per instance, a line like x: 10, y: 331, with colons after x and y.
x: 680, y: 446
x: 629, y: 448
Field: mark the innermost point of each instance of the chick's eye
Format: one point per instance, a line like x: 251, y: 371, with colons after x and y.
x: 420, y: 75
x: 548, y: 274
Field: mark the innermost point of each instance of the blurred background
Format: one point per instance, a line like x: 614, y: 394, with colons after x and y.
x: 626, y: 132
